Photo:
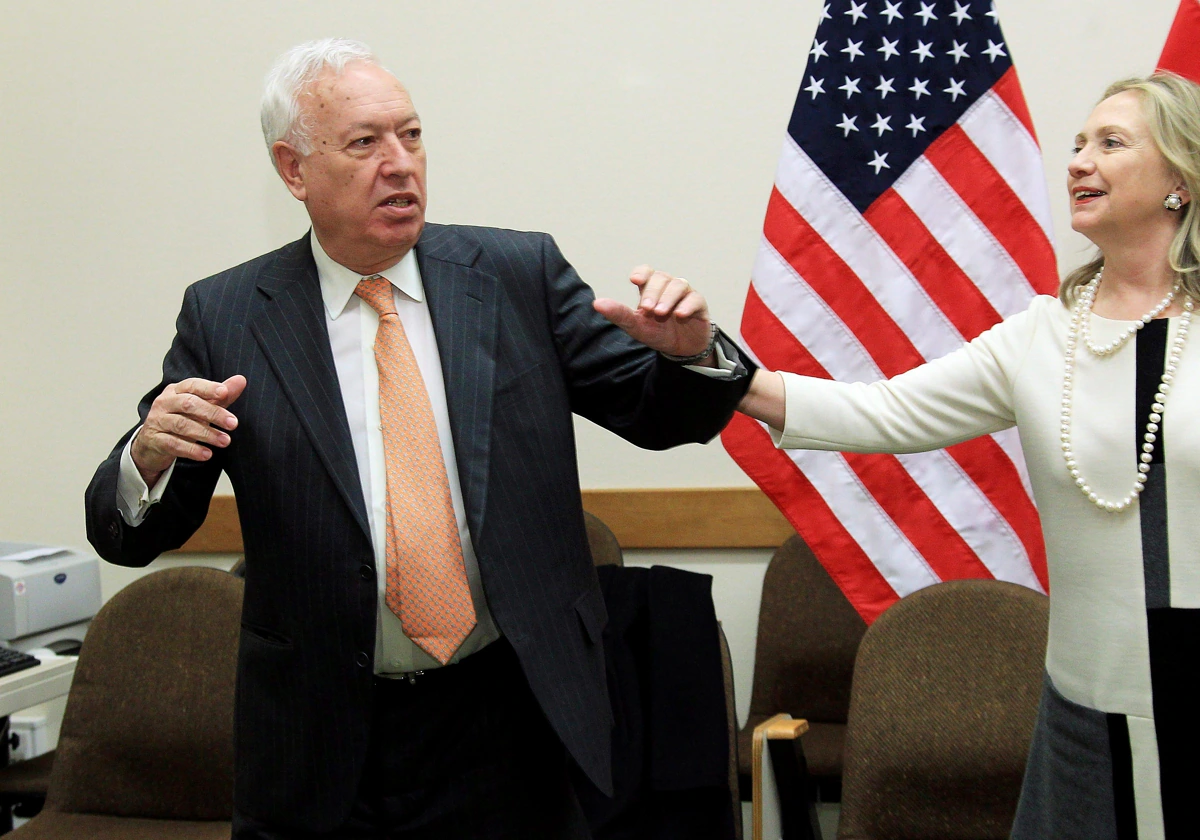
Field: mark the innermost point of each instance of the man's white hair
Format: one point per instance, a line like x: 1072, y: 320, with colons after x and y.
x: 282, y: 117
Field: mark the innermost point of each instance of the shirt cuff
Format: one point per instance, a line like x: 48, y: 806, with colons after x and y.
x: 725, y: 366
x: 134, y: 497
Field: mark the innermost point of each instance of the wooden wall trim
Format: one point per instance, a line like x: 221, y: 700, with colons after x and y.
x: 681, y: 518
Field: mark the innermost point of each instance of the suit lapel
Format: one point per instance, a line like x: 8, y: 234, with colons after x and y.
x: 464, y: 306
x: 290, y: 328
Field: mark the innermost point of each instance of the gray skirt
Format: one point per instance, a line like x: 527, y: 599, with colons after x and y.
x: 1078, y: 780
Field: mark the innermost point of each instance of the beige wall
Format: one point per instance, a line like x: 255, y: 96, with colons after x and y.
x: 131, y: 165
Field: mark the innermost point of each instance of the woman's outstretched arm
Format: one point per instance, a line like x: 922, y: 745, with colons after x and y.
x: 765, y: 399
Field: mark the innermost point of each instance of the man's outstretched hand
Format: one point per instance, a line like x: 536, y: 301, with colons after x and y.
x: 184, y: 420
x: 671, y: 317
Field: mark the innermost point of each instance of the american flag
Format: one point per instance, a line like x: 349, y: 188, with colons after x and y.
x: 909, y: 214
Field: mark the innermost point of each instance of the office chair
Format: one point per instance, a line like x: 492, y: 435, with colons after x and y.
x: 945, y: 695
x: 808, y: 635
x: 606, y: 551
x: 23, y: 787
x: 146, y: 749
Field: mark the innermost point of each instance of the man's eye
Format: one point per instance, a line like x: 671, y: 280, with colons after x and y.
x: 414, y: 133
x: 362, y: 141
x: 1076, y: 150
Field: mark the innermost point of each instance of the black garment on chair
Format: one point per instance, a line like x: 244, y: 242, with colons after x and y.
x: 670, y: 736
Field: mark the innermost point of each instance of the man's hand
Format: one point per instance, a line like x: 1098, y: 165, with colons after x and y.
x: 671, y: 317
x: 184, y: 420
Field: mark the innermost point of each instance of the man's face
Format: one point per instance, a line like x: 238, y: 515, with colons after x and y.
x: 364, y: 182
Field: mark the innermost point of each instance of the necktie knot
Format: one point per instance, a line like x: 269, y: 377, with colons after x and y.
x: 377, y: 292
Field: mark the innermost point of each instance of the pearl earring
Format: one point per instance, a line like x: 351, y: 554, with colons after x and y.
x: 1173, y: 202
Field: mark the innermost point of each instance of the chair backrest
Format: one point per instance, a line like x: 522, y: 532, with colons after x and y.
x: 606, y: 551
x: 808, y: 634
x: 945, y: 696
x: 148, y: 730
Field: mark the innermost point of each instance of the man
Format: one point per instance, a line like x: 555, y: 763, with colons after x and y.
x: 392, y: 402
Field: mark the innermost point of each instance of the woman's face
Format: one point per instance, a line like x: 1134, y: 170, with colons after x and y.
x: 1118, y: 178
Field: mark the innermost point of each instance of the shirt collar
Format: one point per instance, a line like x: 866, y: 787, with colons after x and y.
x: 338, y: 282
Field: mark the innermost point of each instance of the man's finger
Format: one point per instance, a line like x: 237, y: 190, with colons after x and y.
x: 640, y: 275
x: 693, y: 305
x: 616, y: 312
x: 178, y: 425
x: 676, y: 290
x: 205, y: 389
x: 652, y: 291
x: 234, y: 386
x: 177, y: 447
x: 198, y: 409
x: 208, y: 399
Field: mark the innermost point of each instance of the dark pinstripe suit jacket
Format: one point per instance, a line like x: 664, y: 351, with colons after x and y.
x: 521, y: 350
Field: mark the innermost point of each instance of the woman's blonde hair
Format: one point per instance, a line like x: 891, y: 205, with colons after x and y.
x: 1172, y: 106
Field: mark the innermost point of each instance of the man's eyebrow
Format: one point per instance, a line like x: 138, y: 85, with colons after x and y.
x: 367, y: 125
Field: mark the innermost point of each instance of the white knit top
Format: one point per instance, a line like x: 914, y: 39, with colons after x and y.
x: 1013, y: 374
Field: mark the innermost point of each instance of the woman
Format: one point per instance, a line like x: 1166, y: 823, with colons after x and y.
x: 1104, y: 388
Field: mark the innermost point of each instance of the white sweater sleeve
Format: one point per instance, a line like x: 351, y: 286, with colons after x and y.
x: 960, y: 396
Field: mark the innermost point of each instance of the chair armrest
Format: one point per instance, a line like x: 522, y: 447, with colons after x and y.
x: 778, y: 728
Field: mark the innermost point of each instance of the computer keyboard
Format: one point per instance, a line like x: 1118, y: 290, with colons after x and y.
x: 14, y: 660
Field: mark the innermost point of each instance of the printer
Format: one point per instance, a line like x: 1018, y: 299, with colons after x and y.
x: 48, y: 596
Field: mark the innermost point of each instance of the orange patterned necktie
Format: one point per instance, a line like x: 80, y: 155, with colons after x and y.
x: 426, y: 578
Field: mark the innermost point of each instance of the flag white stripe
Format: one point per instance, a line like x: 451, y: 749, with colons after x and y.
x: 884, y: 274
x: 806, y: 315
x: 971, y: 514
x: 1005, y: 142
x: 858, y: 511
x: 965, y: 238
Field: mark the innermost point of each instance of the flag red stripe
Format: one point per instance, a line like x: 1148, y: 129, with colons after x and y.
x: 989, y: 196
x: 1180, y: 54
x: 883, y: 476
x: 988, y: 465
x: 827, y: 274
x: 947, y: 285
x: 785, y: 485
x: 1009, y: 91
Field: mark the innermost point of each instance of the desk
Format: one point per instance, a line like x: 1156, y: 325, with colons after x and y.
x: 36, y: 685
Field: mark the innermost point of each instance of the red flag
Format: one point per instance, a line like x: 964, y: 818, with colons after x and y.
x: 1181, y: 53
x: 909, y: 214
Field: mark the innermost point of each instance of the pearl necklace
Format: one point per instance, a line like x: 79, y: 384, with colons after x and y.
x: 1081, y: 317
x: 1087, y: 296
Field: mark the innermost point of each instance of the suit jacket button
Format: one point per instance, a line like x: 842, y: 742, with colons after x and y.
x: 366, y: 572
x: 114, y: 529
x: 362, y: 660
